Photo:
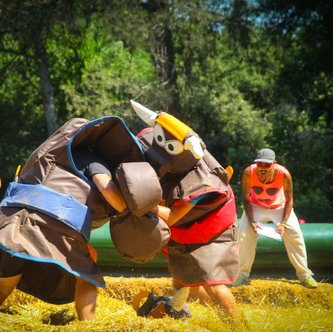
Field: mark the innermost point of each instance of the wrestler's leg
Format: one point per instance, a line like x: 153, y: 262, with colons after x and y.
x: 85, y: 299
x: 7, y: 285
x: 196, y: 293
x: 199, y: 293
x: 221, y: 296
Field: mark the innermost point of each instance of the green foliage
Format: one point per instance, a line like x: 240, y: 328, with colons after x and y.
x: 22, y: 121
x: 302, y: 146
x: 111, y: 75
x: 243, y: 75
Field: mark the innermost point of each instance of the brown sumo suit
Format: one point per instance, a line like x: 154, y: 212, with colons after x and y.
x: 46, y: 217
x: 203, y: 249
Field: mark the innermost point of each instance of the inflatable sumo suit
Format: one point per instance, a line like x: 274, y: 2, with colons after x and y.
x: 46, y: 217
x: 203, y: 248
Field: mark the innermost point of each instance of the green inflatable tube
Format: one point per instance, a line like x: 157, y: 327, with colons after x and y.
x: 270, y: 253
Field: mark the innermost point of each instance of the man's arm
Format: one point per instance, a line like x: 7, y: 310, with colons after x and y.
x: 288, y: 192
x: 246, y: 194
x: 173, y: 214
x: 110, y: 191
x: 114, y: 197
x: 246, y: 197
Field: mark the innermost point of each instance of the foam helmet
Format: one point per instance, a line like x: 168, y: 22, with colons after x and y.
x: 179, y: 130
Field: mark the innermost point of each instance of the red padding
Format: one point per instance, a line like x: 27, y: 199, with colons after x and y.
x: 207, y: 227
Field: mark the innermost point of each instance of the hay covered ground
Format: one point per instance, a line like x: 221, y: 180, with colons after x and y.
x: 265, y: 305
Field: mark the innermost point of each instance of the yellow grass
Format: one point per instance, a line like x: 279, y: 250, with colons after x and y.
x: 265, y: 305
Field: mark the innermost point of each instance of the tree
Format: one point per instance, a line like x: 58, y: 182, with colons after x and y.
x: 30, y: 25
x: 305, y: 28
x: 29, y: 85
x: 112, y: 74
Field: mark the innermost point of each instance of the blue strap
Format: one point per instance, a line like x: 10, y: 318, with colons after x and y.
x: 62, y: 207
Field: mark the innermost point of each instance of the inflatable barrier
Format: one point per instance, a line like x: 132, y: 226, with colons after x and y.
x: 270, y: 253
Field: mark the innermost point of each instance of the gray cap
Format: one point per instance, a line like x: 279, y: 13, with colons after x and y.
x: 265, y: 156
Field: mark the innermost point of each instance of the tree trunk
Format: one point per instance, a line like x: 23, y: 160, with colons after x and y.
x: 46, y: 85
x: 164, y: 59
x: 163, y: 54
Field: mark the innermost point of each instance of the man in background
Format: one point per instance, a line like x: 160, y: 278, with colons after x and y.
x: 267, y: 193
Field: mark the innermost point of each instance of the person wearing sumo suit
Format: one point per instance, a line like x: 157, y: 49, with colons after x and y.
x: 68, y: 186
x: 199, y: 207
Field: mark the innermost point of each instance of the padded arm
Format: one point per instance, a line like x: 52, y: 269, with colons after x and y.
x: 140, y: 187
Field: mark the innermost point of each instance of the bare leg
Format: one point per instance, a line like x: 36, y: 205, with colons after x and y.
x: 199, y: 293
x: 7, y: 285
x: 85, y: 299
x: 196, y: 293
x: 221, y: 296
x: 176, y: 284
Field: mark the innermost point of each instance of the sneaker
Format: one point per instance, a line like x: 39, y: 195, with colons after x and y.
x: 240, y: 282
x: 309, y: 282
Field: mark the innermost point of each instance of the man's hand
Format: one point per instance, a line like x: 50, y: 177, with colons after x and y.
x: 280, y: 228
x: 255, y: 226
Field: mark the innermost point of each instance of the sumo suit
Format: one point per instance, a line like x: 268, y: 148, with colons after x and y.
x: 46, y: 217
x: 203, y: 247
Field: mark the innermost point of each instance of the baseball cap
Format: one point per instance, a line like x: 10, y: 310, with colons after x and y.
x: 265, y: 156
